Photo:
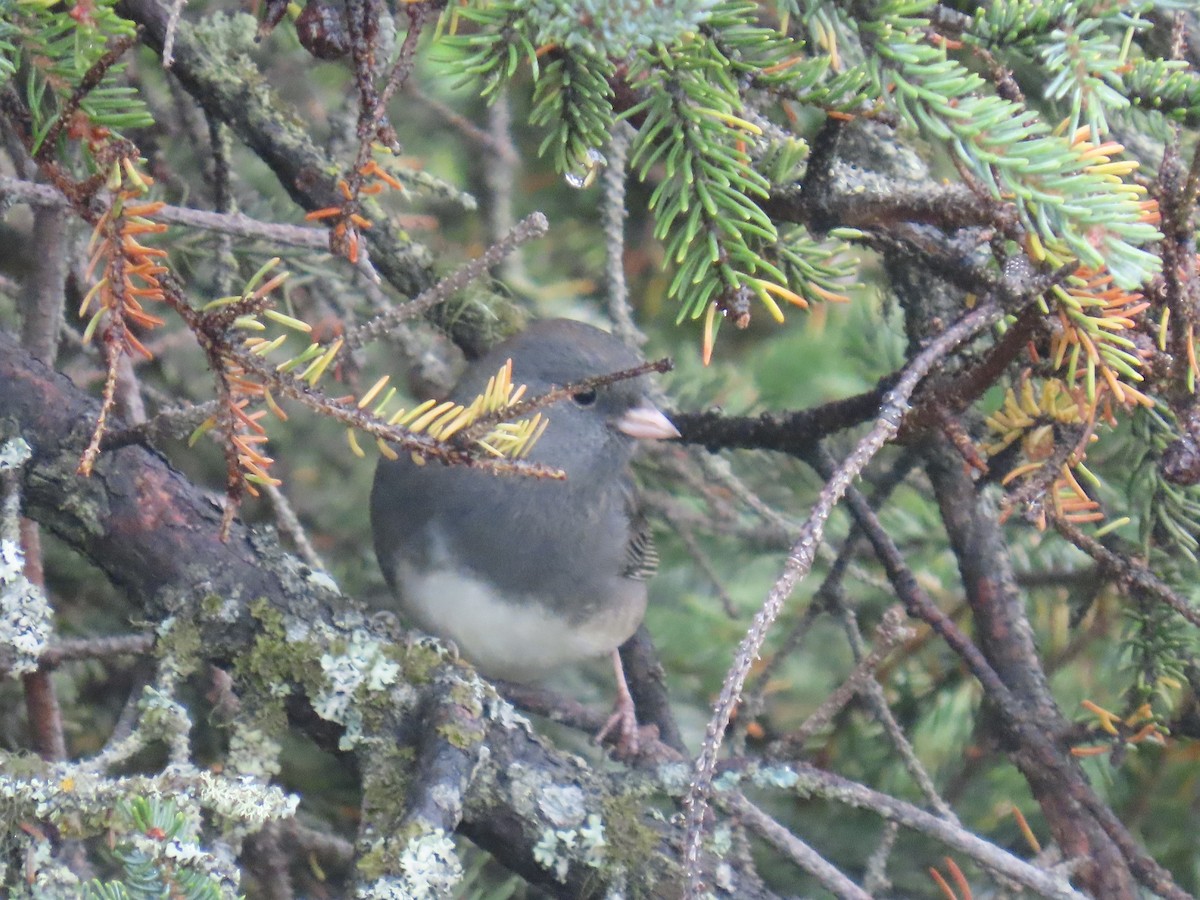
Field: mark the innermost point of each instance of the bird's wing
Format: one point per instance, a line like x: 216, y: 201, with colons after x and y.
x: 641, y: 556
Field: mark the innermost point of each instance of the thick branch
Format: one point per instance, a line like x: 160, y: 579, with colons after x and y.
x: 156, y: 536
x: 1006, y: 638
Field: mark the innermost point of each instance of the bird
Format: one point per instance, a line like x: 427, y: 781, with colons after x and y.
x: 523, y: 575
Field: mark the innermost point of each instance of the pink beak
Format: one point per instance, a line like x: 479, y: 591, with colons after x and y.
x: 647, y: 423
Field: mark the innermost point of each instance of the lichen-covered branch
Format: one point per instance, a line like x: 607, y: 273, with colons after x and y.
x: 158, y: 538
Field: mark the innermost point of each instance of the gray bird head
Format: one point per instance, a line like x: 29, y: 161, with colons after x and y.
x: 595, y: 431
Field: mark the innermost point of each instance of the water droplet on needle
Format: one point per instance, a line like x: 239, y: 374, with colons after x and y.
x: 594, y: 162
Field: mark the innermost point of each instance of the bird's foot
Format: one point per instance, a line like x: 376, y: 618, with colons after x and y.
x: 623, y: 727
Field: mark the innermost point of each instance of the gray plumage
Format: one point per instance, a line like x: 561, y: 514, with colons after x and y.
x: 527, y: 575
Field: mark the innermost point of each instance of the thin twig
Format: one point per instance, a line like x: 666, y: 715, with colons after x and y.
x: 174, y: 11
x: 289, y: 524
x: 613, y: 213
x: 800, y: 560
x: 532, y: 226
x: 323, y: 844
x: 462, y: 124
x: 890, y: 632
x: 74, y: 649
x: 234, y: 224
x: 876, y: 883
x: 830, y: 595
x: 1029, y: 733
x: 814, y: 782
x: 876, y: 699
x: 41, y: 298
x: 89, y: 82
x: 220, y: 145
x: 405, y: 60
x: 795, y: 849
x: 1070, y: 443
x: 114, y: 344
x: 687, y: 537
x: 176, y: 422
x: 349, y: 413
x: 836, y: 600
x: 24, y: 596
x: 1129, y: 572
x: 41, y: 305
x: 500, y: 176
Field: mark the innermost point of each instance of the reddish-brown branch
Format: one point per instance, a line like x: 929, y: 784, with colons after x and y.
x: 41, y: 700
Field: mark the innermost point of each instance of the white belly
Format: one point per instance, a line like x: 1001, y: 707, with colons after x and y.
x: 516, y: 642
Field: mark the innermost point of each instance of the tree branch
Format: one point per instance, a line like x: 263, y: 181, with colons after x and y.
x: 157, y: 537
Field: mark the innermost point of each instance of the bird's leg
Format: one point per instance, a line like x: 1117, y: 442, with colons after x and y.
x: 624, y: 718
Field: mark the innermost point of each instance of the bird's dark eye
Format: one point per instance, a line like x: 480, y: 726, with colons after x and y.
x: 585, y: 398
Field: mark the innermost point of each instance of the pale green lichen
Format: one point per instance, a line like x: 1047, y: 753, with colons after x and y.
x: 423, y: 656
x: 547, y: 855
x: 166, y: 718
x: 361, y: 664
x: 727, y: 781
x: 14, y: 453
x: 51, y: 879
x: 466, y: 731
x: 674, y: 777
x: 26, y: 620
x: 631, y: 842
x: 563, y: 805
x: 525, y: 786
x: 351, y: 676
x: 721, y: 839
x: 179, y: 646
x: 723, y: 877
x: 446, y: 796
x: 228, y: 35
x: 592, y: 841
x: 80, y: 804
x: 68, y: 789
x: 78, y: 800
x: 253, y: 752
x: 774, y: 776
x: 244, y: 799
x: 386, y: 775
x: 429, y: 867
x: 615, y: 841
x: 323, y: 581
x: 499, y: 710
x: 216, y: 608
x: 558, y: 847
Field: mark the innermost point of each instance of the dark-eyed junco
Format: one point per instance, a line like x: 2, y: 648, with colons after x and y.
x: 527, y: 575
